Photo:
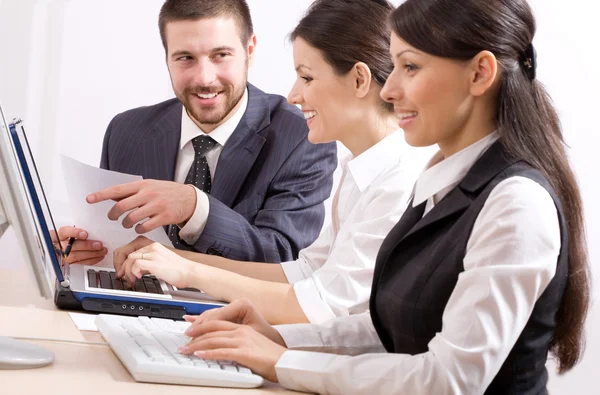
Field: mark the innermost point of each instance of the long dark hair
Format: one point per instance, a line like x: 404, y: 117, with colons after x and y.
x: 526, y: 119
x: 350, y: 31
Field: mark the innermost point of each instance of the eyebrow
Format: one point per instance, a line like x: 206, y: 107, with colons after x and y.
x: 180, y: 53
x: 302, y: 66
x: 217, y: 49
x: 223, y: 48
x: 406, y: 50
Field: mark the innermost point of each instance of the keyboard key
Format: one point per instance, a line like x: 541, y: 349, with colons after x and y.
x: 132, y: 328
x: 143, y: 340
x: 157, y: 285
x: 149, y: 284
x: 167, y: 325
x: 105, y: 282
x: 167, y: 342
x: 153, y: 351
x: 229, y: 368
x: 116, y: 282
x: 244, y: 370
x: 92, y: 278
x: 200, y: 363
x: 138, y: 286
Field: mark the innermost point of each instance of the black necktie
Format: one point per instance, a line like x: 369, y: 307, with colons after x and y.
x: 199, y: 176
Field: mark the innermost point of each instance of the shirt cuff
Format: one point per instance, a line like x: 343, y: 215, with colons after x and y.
x: 300, y: 336
x: 296, y: 270
x: 304, y: 371
x: 192, y: 230
x: 314, y: 307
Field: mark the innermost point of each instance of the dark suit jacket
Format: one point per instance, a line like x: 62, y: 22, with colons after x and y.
x: 266, y: 200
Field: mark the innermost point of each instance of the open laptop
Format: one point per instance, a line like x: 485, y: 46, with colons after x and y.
x: 79, y: 287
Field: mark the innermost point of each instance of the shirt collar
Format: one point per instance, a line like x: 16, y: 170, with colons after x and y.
x: 367, y: 166
x: 221, y: 134
x: 450, y: 171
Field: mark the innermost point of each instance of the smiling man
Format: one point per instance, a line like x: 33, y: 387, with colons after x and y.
x: 227, y: 168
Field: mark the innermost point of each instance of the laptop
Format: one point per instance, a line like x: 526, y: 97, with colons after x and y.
x: 79, y: 287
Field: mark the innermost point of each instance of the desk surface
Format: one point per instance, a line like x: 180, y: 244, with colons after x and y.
x: 81, y: 369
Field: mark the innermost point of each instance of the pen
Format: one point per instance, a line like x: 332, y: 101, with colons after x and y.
x: 69, y: 246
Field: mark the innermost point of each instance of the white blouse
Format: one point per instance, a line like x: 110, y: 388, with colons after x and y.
x: 510, y: 259
x: 333, y: 276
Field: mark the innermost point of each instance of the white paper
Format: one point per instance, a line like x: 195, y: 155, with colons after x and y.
x: 84, y: 322
x: 83, y: 180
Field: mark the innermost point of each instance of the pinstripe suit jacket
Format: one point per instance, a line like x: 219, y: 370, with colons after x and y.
x: 266, y: 200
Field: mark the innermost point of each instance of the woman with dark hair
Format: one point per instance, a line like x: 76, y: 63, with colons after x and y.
x: 486, y: 272
x: 341, y: 55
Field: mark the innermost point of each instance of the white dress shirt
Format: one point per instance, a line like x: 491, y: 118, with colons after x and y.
x: 189, y: 130
x: 332, y: 277
x: 510, y: 259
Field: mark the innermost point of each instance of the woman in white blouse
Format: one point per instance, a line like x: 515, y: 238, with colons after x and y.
x: 341, y: 55
x: 486, y: 273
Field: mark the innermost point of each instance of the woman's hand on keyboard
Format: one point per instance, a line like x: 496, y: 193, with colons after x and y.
x: 160, y: 261
x: 120, y: 254
x: 224, y: 340
x: 242, y: 312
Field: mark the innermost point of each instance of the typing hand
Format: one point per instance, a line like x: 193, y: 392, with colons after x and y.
x: 120, y: 254
x: 160, y: 261
x: 241, y: 312
x: 224, y: 340
x: 84, y: 251
x: 163, y: 202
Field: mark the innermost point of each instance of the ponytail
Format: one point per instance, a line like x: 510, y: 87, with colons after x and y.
x: 530, y: 128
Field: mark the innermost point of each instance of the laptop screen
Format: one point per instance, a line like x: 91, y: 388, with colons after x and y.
x: 38, y: 204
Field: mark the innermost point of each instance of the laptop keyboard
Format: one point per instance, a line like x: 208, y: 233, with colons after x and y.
x: 104, y: 279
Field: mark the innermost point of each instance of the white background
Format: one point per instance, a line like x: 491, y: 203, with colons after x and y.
x: 68, y: 66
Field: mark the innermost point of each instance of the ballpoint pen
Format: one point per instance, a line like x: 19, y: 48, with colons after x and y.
x: 69, y: 246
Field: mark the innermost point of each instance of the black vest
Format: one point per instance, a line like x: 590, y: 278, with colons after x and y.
x: 418, y: 266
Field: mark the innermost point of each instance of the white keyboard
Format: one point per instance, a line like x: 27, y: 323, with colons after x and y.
x: 148, y: 349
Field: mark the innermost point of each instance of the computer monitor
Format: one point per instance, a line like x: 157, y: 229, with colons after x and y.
x: 14, y: 202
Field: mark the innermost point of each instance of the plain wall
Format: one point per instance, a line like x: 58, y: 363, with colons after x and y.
x: 68, y: 66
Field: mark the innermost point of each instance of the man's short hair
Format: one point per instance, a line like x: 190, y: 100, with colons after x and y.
x: 191, y: 10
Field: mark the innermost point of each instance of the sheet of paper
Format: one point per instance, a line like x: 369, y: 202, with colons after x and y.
x: 83, y: 180
x: 84, y: 322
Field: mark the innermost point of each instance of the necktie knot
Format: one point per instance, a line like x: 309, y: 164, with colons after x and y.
x: 203, y: 144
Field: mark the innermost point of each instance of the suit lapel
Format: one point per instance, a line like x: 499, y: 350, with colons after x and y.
x: 242, y: 148
x: 159, y: 149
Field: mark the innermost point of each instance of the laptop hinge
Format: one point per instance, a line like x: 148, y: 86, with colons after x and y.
x: 66, y: 275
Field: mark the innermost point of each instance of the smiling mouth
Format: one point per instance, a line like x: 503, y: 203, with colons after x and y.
x: 406, y: 115
x: 207, y: 95
x: 309, y: 114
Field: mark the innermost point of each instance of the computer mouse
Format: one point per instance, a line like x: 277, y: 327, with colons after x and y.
x: 16, y: 354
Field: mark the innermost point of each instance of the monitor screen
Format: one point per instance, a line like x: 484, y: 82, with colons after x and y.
x: 22, y: 210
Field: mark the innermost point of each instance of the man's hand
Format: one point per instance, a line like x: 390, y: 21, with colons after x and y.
x: 163, y: 202
x: 84, y: 251
x: 242, y: 312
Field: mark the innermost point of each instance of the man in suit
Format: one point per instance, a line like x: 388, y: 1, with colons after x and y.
x: 227, y: 168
